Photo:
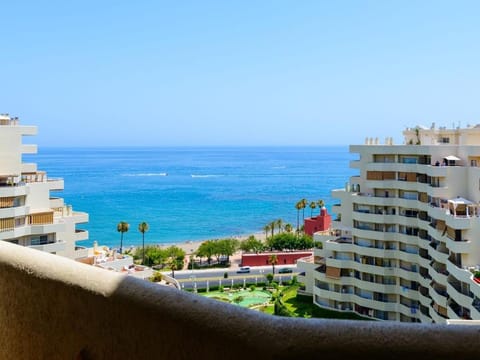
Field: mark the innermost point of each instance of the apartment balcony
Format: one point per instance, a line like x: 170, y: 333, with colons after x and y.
x: 367, y: 233
x: 407, y: 256
x: 460, y: 222
x: 459, y: 247
x: 423, y: 298
x: 437, y: 255
x: 439, y: 213
x: 52, y: 247
x: 437, y: 317
x: 28, y: 149
x: 355, y: 164
x: 56, y: 184
x: 438, y: 295
x: 392, y: 184
x: 191, y: 326
x: 461, y: 274
x: 370, y: 199
x: 12, y: 191
x: 438, y: 192
x: 81, y: 252
x: 460, y: 298
x: 439, y: 276
x: 80, y: 235
x: 408, y: 310
x: 44, y: 228
x: 80, y: 217
x: 14, y: 211
x: 56, y: 202
x: 407, y: 273
x: 29, y: 167
x: 376, y: 218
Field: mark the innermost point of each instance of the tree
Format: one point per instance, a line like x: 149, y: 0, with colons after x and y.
x: 122, y: 227
x: 143, y: 228
x: 173, y: 266
x: 298, y: 206
x: 228, y: 247
x: 153, y: 255
x: 272, y: 226
x: 269, y: 277
x: 273, y: 260
x: 206, y: 249
x: 279, y: 224
x: 304, y: 203
x: 313, y: 205
x: 251, y: 244
x: 266, y: 228
x: 288, y: 228
x: 321, y: 204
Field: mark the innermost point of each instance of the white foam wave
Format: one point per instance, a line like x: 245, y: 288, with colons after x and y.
x: 147, y: 174
x: 205, y: 176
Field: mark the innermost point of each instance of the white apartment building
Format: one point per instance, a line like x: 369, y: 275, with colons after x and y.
x: 406, y: 241
x: 29, y: 216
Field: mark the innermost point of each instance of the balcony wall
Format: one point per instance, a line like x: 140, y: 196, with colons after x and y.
x: 55, y: 308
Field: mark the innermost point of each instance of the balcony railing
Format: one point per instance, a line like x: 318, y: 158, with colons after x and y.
x: 190, y: 326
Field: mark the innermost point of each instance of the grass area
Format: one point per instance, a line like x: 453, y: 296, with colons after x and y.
x: 298, y: 305
x: 245, y: 298
x: 302, y: 306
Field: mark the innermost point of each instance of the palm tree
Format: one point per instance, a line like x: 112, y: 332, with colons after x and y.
x: 173, y: 266
x: 288, y: 228
x: 273, y: 260
x: 143, y: 228
x: 304, y: 205
x: 321, y: 204
x: 298, y: 206
x: 122, y: 227
x: 266, y: 228
x: 279, y: 223
x: 272, y: 227
x: 313, y: 205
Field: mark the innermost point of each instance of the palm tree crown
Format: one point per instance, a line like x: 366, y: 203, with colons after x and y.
x: 273, y: 260
x: 122, y: 227
x: 312, y: 205
x: 143, y: 228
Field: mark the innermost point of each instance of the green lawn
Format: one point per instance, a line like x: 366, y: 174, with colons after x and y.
x: 299, y: 305
x: 302, y: 306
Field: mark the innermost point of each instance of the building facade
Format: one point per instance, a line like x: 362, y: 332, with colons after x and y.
x: 405, y: 244
x: 29, y: 215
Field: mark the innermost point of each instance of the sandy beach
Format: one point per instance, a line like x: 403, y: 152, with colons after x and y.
x: 191, y: 246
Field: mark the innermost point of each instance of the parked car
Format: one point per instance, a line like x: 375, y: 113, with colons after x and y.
x: 243, y: 269
x: 285, y: 271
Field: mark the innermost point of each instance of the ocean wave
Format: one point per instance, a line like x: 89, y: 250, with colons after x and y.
x: 147, y: 174
x: 279, y: 167
x: 205, y: 176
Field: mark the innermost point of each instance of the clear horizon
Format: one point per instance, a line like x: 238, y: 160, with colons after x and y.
x: 213, y: 73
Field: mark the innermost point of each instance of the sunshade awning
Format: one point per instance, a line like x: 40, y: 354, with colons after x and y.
x: 451, y: 157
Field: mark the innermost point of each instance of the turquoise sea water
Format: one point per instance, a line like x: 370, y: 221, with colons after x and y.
x: 190, y: 193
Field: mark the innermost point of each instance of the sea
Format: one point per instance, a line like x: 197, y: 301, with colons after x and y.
x: 191, y: 193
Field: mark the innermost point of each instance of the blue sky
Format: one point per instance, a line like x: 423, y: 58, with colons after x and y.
x: 237, y: 72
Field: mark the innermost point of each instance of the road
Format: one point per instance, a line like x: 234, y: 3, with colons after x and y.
x: 213, y: 277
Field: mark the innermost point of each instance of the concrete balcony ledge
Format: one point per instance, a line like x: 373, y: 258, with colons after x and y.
x: 55, y: 308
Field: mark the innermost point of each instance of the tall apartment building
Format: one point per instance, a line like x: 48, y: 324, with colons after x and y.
x: 406, y: 241
x: 29, y: 216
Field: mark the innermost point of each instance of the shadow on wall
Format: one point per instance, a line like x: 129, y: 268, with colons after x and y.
x: 54, y: 308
